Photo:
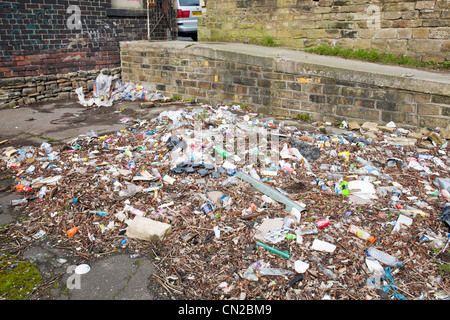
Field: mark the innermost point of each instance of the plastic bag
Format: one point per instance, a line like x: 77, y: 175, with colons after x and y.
x: 102, y: 85
x: 130, y: 191
x: 81, y: 98
x: 442, y: 183
x: 175, y: 116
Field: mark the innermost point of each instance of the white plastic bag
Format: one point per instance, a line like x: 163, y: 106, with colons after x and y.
x: 102, y: 85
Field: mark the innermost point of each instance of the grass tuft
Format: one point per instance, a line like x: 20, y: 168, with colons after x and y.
x: 376, y: 56
x: 269, y: 42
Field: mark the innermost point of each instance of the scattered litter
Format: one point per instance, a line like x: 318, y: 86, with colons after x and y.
x: 108, y: 89
x: 217, y: 208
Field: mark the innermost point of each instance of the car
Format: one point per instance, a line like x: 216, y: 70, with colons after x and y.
x: 188, y: 12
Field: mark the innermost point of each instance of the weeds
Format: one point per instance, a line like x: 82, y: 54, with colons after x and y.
x: 376, y: 56
x: 269, y: 42
x: 303, y: 116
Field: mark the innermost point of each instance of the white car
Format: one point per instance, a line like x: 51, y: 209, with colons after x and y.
x: 188, y: 12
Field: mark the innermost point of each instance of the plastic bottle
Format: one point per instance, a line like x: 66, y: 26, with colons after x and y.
x: 15, y: 202
x: 360, y: 233
x: 221, y: 151
x: 132, y: 165
x: 274, y: 272
x: 384, y: 257
x: 31, y: 169
x: 156, y: 173
x: 445, y: 194
x: 291, y: 236
x: 137, y: 212
x: 42, y: 192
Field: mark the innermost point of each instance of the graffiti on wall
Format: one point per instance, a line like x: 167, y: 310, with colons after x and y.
x: 37, y: 31
x: 102, y: 31
x: 31, y: 32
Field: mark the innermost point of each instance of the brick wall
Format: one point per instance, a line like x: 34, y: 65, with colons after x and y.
x: 286, y: 87
x: 413, y: 27
x: 42, y: 37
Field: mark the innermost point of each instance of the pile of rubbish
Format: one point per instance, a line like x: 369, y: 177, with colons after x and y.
x: 108, y: 89
x: 236, y: 207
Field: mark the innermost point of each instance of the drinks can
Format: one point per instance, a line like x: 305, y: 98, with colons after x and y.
x: 208, y: 208
x: 322, y: 223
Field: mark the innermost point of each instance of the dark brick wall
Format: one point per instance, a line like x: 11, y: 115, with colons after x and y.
x: 40, y: 37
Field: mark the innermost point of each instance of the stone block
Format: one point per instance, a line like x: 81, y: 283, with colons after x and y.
x: 370, y: 135
x: 397, y: 45
x: 420, y: 33
x: 147, y: 229
x: 424, y: 46
x: 372, y: 115
x: 405, y: 33
x: 432, y: 122
x: 370, y: 126
x: 421, y: 5
x: 402, y: 141
x: 440, y: 33
x: 387, y: 33
x: 355, y: 92
x: 364, y: 103
x: 28, y: 91
x: 428, y: 109
x: 353, y: 125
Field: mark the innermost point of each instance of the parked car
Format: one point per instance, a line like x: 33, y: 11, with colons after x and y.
x: 188, y: 12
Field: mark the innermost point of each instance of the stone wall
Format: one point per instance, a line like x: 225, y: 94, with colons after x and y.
x: 416, y: 28
x: 20, y: 91
x: 284, y: 82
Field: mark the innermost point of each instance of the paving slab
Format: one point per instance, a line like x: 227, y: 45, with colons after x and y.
x: 119, y: 277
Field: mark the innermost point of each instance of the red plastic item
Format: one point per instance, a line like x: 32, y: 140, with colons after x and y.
x: 23, y: 188
x: 71, y: 232
x: 323, y: 223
